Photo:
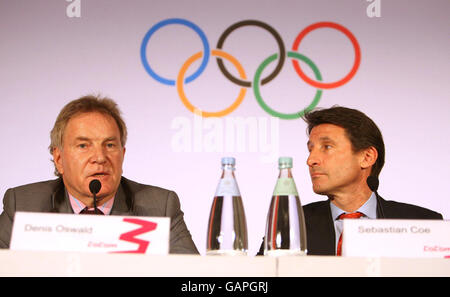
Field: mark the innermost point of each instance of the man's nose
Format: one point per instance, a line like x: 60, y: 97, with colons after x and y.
x: 313, y: 159
x: 98, y: 155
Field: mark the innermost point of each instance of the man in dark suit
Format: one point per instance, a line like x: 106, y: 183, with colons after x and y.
x: 346, y: 155
x: 87, y: 143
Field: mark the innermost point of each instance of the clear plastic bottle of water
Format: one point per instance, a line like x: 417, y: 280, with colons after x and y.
x: 227, y: 226
x: 285, y: 229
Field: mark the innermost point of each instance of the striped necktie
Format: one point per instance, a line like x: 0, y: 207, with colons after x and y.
x: 91, y: 211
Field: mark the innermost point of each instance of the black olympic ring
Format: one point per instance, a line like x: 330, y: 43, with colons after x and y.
x: 272, y: 31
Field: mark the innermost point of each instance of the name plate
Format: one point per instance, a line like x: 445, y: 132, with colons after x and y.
x: 90, y: 233
x: 396, y: 238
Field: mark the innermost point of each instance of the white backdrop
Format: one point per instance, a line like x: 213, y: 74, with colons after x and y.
x: 54, y: 51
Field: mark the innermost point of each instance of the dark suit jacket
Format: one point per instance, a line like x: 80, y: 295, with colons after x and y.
x: 320, y: 226
x: 132, y: 199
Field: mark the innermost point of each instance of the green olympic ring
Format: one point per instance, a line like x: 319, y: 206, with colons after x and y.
x: 286, y: 116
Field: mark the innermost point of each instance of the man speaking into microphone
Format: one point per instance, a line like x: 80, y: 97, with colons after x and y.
x: 88, y: 149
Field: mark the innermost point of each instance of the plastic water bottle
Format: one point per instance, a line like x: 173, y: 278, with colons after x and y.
x: 227, y: 227
x: 285, y: 229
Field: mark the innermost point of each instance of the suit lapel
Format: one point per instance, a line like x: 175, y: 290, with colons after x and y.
x: 381, y: 209
x: 60, y: 200
x: 320, y: 230
x: 328, y: 231
x: 122, y: 206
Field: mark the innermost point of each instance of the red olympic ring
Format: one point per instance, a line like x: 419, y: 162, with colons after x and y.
x: 338, y: 83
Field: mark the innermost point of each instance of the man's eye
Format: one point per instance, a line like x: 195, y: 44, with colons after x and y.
x: 82, y: 145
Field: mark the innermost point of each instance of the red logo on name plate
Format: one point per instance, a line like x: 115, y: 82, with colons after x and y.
x: 146, y: 226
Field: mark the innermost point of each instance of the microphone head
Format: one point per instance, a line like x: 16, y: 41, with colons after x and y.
x: 373, y: 183
x: 94, y: 186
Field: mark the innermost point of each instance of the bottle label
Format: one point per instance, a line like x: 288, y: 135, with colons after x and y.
x: 285, y: 186
x: 227, y: 187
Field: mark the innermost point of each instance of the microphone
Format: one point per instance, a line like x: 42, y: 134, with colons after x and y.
x: 94, y: 186
x: 373, y: 183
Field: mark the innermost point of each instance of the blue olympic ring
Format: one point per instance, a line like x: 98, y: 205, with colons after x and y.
x: 206, y: 49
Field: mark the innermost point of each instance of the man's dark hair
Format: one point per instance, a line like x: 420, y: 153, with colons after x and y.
x: 360, y: 129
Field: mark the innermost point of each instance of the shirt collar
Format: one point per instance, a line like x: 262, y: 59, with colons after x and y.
x: 78, y: 206
x: 369, y: 208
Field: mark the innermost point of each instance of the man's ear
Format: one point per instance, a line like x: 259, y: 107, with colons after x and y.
x: 368, y: 157
x: 57, y: 159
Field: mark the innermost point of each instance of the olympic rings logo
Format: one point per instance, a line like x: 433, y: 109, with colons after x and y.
x: 242, y: 80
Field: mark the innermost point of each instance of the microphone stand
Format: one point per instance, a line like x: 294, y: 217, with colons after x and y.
x: 94, y: 187
x: 95, y: 203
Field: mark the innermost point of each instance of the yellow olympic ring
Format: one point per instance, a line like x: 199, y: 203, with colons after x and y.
x: 192, y: 108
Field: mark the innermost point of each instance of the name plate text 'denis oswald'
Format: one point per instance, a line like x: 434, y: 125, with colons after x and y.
x: 90, y: 233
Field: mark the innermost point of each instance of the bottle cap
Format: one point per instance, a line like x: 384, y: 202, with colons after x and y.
x: 228, y: 161
x: 284, y: 162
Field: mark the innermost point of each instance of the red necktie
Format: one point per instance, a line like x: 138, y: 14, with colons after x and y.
x: 355, y: 215
x: 91, y: 211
